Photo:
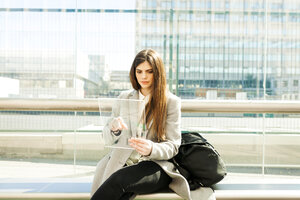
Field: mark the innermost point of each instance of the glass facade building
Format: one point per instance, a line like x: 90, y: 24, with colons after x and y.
x: 227, y: 49
x: 212, y: 49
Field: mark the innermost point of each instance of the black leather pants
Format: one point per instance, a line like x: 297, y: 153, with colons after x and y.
x: 142, y: 178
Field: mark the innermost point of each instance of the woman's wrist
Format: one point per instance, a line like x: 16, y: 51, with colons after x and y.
x: 116, y: 133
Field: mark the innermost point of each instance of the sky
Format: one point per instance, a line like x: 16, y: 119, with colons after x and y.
x: 109, y: 34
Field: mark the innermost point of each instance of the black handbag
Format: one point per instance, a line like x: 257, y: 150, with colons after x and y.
x: 198, y: 161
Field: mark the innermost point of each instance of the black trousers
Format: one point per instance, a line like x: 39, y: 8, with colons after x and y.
x: 142, y: 178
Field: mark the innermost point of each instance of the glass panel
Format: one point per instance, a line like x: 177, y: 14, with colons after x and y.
x: 237, y: 137
x: 87, y: 142
x: 125, y: 120
x: 282, y: 144
x: 33, y: 144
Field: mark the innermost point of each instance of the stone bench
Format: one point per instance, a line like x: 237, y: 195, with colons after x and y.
x: 80, y: 190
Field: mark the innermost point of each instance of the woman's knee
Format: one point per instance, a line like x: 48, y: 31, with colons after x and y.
x: 116, y: 178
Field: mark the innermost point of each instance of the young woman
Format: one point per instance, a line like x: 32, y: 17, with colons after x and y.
x: 123, y: 174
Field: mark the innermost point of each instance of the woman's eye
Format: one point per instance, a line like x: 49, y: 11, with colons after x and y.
x: 150, y: 72
x: 138, y: 72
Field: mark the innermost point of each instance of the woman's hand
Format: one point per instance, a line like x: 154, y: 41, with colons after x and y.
x: 141, y: 145
x: 117, y: 124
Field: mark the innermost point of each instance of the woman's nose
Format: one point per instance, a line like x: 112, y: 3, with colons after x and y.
x: 144, y: 75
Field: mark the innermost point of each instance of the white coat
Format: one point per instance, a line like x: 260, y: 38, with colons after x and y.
x: 161, y: 152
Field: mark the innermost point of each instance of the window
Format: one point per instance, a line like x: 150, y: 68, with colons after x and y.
x: 276, y: 6
x: 275, y: 18
x: 227, y: 4
x: 166, y: 4
x: 295, y: 83
x: 256, y: 5
x: 221, y: 17
x: 293, y: 18
x: 151, y: 4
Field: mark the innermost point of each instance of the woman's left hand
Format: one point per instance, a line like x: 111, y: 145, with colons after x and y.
x: 141, y: 145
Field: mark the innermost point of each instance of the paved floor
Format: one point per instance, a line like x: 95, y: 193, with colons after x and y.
x: 17, y: 176
x: 27, y: 169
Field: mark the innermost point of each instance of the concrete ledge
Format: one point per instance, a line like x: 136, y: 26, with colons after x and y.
x: 169, y: 196
x: 257, y: 195
x: 78, y: 196
x: 39, y: 143
x: 80, y: 191
x: 220, y: 195
x: 45, y: 196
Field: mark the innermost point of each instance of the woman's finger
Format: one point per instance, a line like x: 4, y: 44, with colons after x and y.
x: 122, y: 123
x: 142, y: 146
x: 138, y: 140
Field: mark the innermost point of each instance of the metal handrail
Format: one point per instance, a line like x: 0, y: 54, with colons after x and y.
x: 204, y: 106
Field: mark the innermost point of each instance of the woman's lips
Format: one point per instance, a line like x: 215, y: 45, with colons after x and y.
x: 144, y: 82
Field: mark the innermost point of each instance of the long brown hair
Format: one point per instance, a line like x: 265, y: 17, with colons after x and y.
x: 156, y: 108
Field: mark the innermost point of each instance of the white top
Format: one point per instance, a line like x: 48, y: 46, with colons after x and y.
x: 142, y: 97
x: 135, y: 157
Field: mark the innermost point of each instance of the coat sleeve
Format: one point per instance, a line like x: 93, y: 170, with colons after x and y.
x: 167, y: 149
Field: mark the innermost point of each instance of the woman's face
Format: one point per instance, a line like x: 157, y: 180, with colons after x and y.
x: 144, y: 75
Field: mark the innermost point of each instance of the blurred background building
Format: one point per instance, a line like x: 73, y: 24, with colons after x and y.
x: 235, y: 49
x: 229, y: 46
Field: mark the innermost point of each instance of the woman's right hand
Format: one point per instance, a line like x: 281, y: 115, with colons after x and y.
x: 118, y: 124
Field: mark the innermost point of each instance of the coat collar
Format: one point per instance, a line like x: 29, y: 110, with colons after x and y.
x: 134, y: 94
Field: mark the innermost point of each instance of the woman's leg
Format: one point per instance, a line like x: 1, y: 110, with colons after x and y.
x: 142, y: 178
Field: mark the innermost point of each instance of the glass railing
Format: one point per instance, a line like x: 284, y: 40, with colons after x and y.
x: 252, y: 143
x: 39, y: 142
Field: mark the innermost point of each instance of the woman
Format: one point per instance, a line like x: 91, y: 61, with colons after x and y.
x: 122, y: 174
